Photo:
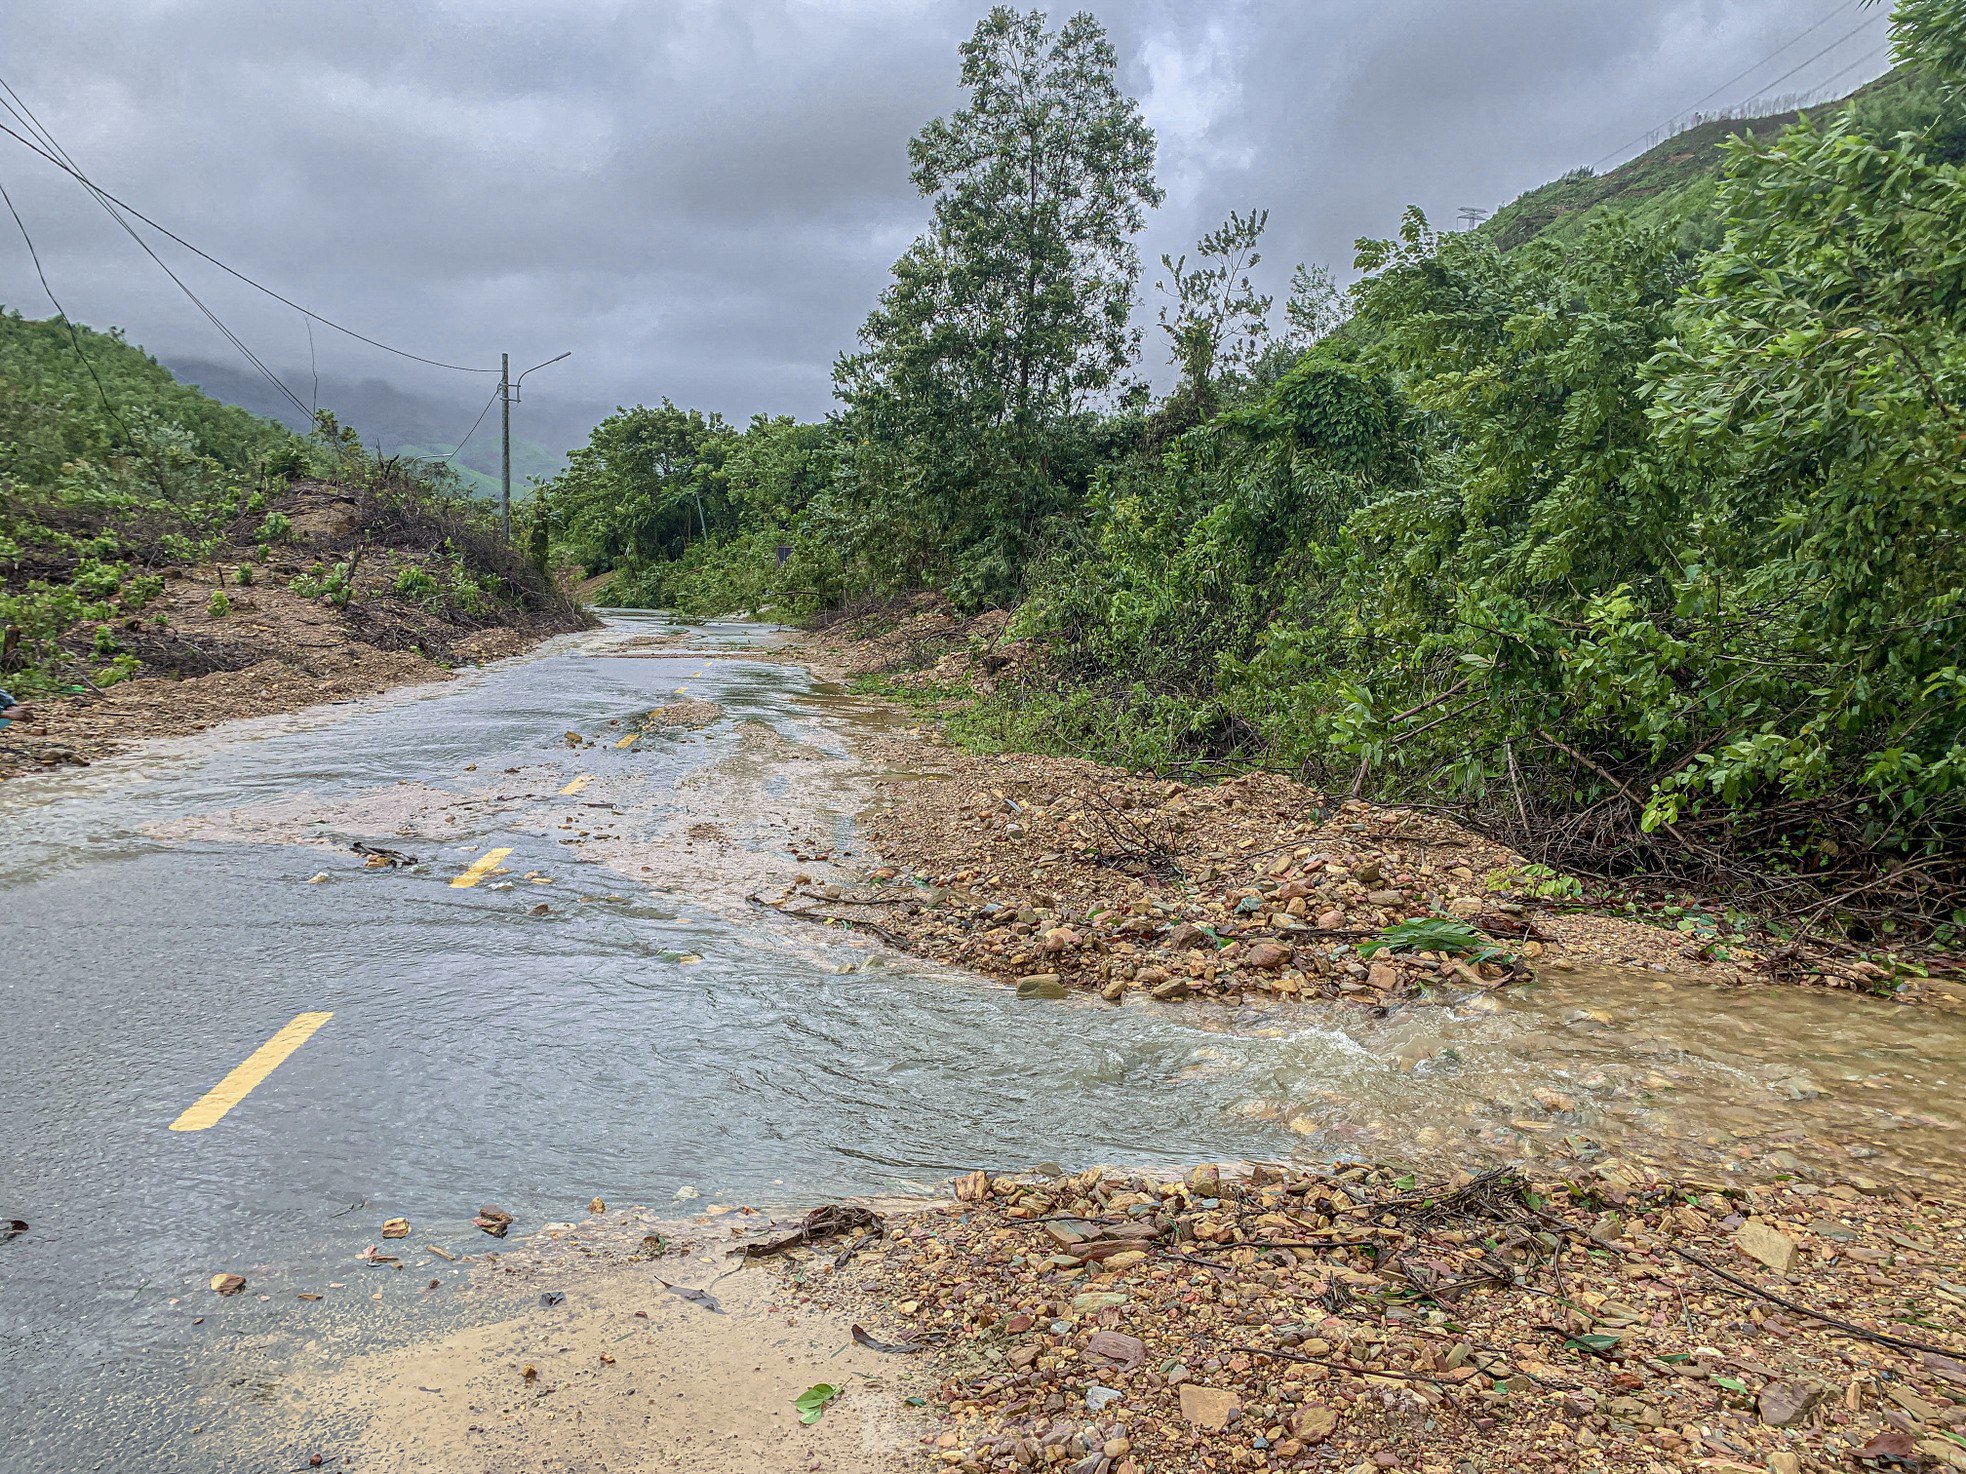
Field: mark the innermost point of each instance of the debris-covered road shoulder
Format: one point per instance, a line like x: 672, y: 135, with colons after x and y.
x: 1062, y: 875
x: 1354, y: 1319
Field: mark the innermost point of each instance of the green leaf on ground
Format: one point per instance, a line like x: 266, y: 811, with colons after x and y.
x: 812, y: 1402
x: 1595, y: 1342
x: 1431, y: 934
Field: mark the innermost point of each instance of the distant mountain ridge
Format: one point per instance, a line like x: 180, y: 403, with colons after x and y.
x: 402, y: 422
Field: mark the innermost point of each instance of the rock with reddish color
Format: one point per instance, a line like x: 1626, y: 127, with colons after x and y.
x: 1266, y: 956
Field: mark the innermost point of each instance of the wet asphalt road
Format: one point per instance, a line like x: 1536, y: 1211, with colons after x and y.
x: 475, y: 1053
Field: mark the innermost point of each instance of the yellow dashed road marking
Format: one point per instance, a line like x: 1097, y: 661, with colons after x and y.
x: 579, y: 783
x: 209, y: 1108
x: 480, y: 868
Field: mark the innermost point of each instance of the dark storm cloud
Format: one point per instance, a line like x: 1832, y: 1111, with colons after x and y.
x: 702, y: 199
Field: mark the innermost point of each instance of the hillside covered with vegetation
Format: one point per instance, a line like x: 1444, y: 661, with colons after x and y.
x: 1629, y: 525
x: 116, y: 480
x: 1676, y: 185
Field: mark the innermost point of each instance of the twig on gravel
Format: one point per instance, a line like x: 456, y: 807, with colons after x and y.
x: 1345, y: 1366
x: 1882, y: 1338
x: 823, y: 919
x: 1862, y: 1333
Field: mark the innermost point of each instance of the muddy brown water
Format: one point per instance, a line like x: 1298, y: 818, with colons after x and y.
x: 651, y: 1037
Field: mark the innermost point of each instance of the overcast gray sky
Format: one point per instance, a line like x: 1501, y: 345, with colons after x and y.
x: 701, y: 198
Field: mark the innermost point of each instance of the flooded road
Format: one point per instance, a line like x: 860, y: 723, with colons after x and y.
x: 600, y: 1011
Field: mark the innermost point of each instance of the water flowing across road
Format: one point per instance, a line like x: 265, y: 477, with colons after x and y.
x: 604, y: 1014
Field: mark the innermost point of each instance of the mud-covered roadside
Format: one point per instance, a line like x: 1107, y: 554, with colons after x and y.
x: 245, y: 634
x: 624, y: 1341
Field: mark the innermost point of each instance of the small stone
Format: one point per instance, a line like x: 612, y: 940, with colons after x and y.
x: 1784, y: 1462
x: 228, y: 1284
x: 1770, y: 1245
x: 1313, y: 1423
x: 1207, y: 1407
x: 1091, y: 1300
x: 1169, y: 991
x: 1124, y: 1351
x: 1269, y: 956
x: 1041, y: 985
x: 1784, y: 1404
x: 1097, y: 1397
x: 396, y: 1228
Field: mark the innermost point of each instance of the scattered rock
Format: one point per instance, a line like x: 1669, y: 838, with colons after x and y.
x: 1784, y: 1404
x: 1208, y: 1407
x: 1313, y: 1423
x: 1267, y: 956
x: 494, y: 1221
x: 1124, y: 1351
x: 1768, y: 1244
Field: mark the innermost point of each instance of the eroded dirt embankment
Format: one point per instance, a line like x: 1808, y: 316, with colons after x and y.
x: 210, y: 647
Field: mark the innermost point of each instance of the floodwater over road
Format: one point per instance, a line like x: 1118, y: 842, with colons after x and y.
x: 601, y: 1012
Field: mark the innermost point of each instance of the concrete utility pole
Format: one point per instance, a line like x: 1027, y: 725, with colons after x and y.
x: 505, y: 443
x: 508, y: 394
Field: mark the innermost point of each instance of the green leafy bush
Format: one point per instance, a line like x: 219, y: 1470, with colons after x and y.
x: 417, y: 584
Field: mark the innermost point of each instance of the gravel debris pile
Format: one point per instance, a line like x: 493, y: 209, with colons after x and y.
x: 1352, y: 1319
x: 1061, y: 875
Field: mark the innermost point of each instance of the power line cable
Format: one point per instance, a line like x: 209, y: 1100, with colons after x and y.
x: 1800, y: 36
x: 474, y: 426
x: 67, y: 166
x: 61, y: 157
x: 75, y: 342
x: 42, y: 133
x: 313, y: 367
x: 1869, y: 56
x: 1817, y: 57
x: 74, y: 338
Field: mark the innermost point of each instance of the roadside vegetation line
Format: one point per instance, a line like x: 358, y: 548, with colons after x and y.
x: 579, y: 783
x: 629, y: 740
x: 210, y: 1108
x: 489, y: 861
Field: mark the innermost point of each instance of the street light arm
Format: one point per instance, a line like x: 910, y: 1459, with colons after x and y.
x: 536, y: 367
